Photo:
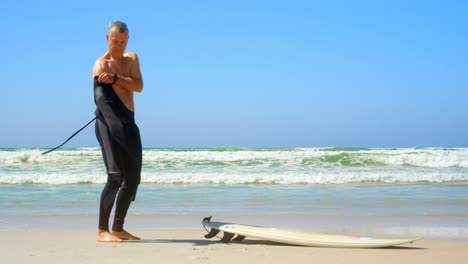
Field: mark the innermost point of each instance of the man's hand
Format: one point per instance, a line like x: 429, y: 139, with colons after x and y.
x: 106, y: 77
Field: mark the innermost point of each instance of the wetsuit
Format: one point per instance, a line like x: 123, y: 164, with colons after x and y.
x: 120, y: 142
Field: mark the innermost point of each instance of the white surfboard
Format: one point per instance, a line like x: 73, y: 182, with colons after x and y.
x: 296, y: 237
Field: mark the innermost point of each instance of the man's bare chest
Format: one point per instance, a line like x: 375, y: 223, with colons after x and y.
x: 122, y: 68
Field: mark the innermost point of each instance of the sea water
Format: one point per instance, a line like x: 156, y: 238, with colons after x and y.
x: 383, y: 192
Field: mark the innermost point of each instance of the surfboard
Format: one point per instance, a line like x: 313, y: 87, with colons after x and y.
x: 238, y: 232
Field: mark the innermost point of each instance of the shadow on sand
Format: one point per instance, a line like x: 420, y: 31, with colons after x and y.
x: 205, y: 242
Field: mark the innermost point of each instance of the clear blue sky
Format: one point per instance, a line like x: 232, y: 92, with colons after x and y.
x: 244, y: 73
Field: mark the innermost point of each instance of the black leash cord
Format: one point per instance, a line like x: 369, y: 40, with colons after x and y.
x: 74, y: 134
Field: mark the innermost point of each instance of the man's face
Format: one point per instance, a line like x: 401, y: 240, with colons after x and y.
x: 117, y: 42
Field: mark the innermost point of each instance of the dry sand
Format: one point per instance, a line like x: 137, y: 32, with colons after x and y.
x: 189, y: 246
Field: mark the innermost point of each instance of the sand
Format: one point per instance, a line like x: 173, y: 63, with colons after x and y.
x: 189, y: 246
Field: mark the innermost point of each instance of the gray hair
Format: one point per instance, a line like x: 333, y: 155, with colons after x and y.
x: 119, y: 26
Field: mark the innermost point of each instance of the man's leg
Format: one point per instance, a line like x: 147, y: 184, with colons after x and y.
x: 107, y: 200
x: 112, y: 186
x: 124, y: 200
x: 105, y: 207
x: 123, y: 203
x: 132, y: 167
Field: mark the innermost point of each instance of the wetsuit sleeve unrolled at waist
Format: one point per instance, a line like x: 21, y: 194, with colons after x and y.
x: 120, y: 120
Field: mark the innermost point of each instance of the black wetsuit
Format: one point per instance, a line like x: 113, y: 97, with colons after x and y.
x: 120, y: 142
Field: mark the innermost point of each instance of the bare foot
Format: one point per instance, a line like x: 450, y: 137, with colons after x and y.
x: 124, y: 235
x: 106, y: 236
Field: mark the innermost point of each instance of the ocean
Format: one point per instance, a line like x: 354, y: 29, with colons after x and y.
x: 402, y: 192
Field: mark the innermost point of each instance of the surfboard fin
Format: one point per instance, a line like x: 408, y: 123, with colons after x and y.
x: 213, y: 232
x: 238, y: 238
x: 227, y: 237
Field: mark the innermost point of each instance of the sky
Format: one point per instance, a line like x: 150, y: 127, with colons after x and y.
x: 244, y: 73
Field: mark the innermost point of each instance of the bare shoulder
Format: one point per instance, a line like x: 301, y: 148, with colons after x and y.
x: 103, y: 58
x: 131, y: 55
x: 99, y: 65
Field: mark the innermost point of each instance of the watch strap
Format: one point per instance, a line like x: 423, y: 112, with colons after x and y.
x: 115, y: 78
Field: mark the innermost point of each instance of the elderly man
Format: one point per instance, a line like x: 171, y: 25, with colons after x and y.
x: 116, y: 77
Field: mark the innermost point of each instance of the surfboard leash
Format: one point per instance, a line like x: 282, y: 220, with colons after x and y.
x: 208, y: 219
x: 74, y: 134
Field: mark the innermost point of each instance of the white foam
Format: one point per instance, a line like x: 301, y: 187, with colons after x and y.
x: 298, y: 166
x: 431, y: 157
x: 318, y: 177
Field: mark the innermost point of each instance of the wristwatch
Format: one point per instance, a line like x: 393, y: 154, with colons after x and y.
x: 115, y: 78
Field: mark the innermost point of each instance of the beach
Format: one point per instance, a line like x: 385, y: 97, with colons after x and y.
x: 48, y: 204
x: 189, y: 246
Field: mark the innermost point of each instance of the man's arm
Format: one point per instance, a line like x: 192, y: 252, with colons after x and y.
x: 98, y: 68
x: 135, y: 81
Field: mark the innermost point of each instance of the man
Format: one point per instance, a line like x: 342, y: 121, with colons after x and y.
x: 116, y: 77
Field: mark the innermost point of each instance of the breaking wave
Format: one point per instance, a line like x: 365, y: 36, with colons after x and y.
x: 229, y: 165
